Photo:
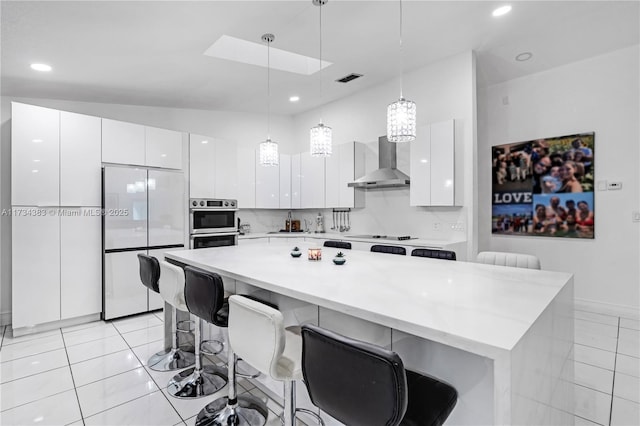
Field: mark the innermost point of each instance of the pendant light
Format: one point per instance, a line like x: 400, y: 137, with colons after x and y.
x: 401, y: 114
x: 269, y: 149
x: 320, y: 135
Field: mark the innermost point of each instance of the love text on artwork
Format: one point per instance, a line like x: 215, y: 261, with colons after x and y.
x: 511, y: 198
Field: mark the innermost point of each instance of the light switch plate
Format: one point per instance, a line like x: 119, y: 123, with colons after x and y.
x: 613, y: 186
x: 602, y: 185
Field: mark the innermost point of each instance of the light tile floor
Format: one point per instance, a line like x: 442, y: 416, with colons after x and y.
x: 96, y: 374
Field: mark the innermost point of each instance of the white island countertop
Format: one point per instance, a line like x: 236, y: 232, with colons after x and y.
x: 482, y: 309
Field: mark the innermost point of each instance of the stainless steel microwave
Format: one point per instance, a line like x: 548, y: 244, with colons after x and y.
x: 208, y: 216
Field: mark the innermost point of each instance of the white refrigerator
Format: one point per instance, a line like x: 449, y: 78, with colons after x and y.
x: 144, y: 212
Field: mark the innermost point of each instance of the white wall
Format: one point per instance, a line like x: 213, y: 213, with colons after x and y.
x: 441, y: 91
x: 601, y: 95
x: 245, y: 130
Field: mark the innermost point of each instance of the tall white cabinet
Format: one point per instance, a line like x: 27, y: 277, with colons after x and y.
x: 56, y: 241
x: 345, y: 165
x: 432, y: 166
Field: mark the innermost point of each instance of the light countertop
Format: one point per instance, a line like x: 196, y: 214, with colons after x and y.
x: 479, y: 308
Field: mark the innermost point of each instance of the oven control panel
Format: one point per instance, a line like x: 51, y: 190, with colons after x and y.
x: 208, y: 203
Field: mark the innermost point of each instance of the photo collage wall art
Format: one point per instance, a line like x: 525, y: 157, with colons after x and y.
x: 544, y: 187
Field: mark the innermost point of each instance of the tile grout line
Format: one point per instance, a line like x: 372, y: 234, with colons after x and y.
x: 142, y: 363
x: 615, y: 363
x: 75, y: 389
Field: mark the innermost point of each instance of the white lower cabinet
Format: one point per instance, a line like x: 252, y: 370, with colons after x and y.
x: 35, y: 269
x: 80, y: 263
x: 122, y: 285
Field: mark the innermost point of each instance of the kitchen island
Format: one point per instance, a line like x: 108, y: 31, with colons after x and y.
x: 502, y: 336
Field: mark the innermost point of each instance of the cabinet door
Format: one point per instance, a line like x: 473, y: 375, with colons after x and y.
x: 167, y: 205
x: 246, y: 179
x: 80, y: 159
x: 226, y: 176
x: 124, y: 293
x: 420, y: 166
x: 80, y: 263
x: 295, y: 181
x: 163, y: 148
x: 267, y: 185
x: 202, y: 176
x: 442, y: 164
x: 35, y: 262
x: 332, y: 166
x: 285, y: 181
x: 122, y: 143
x: 311, y: 181
x: 35, y: 162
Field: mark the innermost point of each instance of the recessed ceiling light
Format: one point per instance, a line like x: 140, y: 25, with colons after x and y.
x: 205, y: 142
x: 524, y: 56
x: 34, y: 171
x: 502, y: 10
x: 41, y: 67
x: 36, y: 140
x: 294, y: 98
x: 163, y: 155
x: 36, y: 161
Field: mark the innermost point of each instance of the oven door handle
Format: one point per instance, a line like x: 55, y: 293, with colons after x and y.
x: 212, y: 210
x: 215, y: 234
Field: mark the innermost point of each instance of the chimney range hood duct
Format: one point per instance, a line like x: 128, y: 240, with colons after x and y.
x: 387, y: 175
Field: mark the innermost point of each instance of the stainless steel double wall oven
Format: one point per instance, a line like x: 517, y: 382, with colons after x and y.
x: 213, y: 222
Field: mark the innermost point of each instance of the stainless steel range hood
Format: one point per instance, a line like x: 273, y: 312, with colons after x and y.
x: 387, y: 175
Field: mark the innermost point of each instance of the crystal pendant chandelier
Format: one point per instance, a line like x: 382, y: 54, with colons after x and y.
x: 320, y: 135
x: 401, y: 114
x: 269, y: 149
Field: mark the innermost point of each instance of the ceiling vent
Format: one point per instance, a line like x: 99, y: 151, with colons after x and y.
x: 348, y: 78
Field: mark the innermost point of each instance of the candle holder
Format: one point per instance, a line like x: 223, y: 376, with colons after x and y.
x: 315, y: 254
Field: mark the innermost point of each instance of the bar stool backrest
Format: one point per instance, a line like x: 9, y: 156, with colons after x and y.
x: 149, y: 272
x: 517, y: 260
x: 434, y: 254
x: 389, y: 249
x: 355, y: 382
x: 256, y: 334
x: 204, y: 295
x: 338, y: 244
x: 172, y: 285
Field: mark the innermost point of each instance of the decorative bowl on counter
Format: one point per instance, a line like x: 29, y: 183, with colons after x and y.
x: 339, y: 259
x: 296, y: 252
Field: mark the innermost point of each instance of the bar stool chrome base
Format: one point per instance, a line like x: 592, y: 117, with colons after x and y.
x: 192, y: 383
x: 171, y: 359
x: 247, y: 411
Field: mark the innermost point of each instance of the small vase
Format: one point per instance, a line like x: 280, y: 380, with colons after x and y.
x: 296, y: 253
x: 339, y: 260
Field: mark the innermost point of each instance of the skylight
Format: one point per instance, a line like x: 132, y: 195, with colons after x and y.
x: 248, y: 52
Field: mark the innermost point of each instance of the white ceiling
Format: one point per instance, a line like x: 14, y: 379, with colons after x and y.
x: 151, y: 53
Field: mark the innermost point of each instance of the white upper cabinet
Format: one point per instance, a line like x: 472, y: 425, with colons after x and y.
x: 80, y: 160
x: 163, y: 148
x: 344, y: 166
x: 246, y: 175
x: 311, y: 181
x: 267, y: 185
x: 35, y: 163
x: 432, y: 166
x: 122, y: 143
x: 285, y: 181
x: 295, y: 181
x: 202, y: 171
x: 212, y: 168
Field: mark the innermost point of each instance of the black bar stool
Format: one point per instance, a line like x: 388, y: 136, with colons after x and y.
x: 361, y: 384
x: 434, y: 254
x: 338, y: 244
x: 389, y: 249
x: 204, y: 297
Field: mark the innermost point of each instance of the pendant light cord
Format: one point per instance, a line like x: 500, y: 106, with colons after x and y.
x: 401, y: 55
x: 268, y: 90
x: 320, y: 70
